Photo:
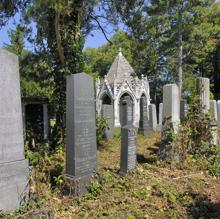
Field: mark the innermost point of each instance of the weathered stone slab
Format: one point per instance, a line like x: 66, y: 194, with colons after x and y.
x: 81, y: 148
x: 183, y: 109
x: 203, y: 87
x: 13, y: 184
x: 152, y: 117
x: 218, y: 110
x: 128, y: 149
x: 143, y: 124
x: 128, y: 139
x: 171, y: 105
x: 13, y: 167
x: 213, y: 110
x: 108, y: 113
x: 160, y: 115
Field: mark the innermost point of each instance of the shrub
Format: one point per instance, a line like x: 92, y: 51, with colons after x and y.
x: 101, y: 125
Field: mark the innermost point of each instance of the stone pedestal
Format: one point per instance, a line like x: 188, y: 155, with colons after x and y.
x: 14, y: 169
x: 81, y: 148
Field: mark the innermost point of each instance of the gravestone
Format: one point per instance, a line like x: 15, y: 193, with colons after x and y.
x: 213, y: 110
x: 214, y: 124
x: 218, y: 110
x: 171, y: 105
x: 107, y: 112
x: 203, y: 87
x: 143, y: 124
x: 183, y: 109
x: 14, y: 169
x: 128, y: 138
x: 81, y: 146
x: 152, y: 117
x: 160, y: 115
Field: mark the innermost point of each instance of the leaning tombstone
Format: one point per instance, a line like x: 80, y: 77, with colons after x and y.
x: 14, y: 170
x: 128, y: 138
x: 214, y: 124
x: 107, y: 112
x: 143, y: 124
x: 81, y: 145
x: 203, y: 87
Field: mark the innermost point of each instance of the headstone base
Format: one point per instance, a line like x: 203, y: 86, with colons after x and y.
x: 77, y: 185
x: 14, y: 185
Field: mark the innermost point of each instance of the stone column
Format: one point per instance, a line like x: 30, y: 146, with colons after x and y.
x: 171, y: 105
x: 46, y: 121
x: 128, y: 138
x: 203, y: 87
x: 14, y: 169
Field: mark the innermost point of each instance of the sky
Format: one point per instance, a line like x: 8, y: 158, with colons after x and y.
x: 93, y: 40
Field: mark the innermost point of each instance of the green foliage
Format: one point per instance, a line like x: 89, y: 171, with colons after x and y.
x: 95, y: 188
x: 117, y: 132
x: 98, y: 61
x: 101, y: 125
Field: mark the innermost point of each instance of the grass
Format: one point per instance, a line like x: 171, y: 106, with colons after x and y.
x: 153, y: 190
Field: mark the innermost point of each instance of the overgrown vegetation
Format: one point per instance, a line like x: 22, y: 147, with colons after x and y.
x: 194, y: 140
x: 154, y: 189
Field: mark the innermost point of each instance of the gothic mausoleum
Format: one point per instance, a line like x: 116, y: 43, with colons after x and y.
x: 120, y: 81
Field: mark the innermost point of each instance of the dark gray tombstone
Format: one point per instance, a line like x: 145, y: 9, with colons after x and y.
x: 128, y: 138
x: 14, y: 169
x: 160, y: 116
x: 81, y: 148
x: 107, y: 112
x: 143, y: 124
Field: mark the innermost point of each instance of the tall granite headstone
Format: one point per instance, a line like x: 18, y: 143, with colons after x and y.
x: 128, y: 138
x: 171, y: 105
x: 81, y: 148
x: 203, y: 87
x: 14, y: 169
x: 108, y: 113
x: 143, y: 124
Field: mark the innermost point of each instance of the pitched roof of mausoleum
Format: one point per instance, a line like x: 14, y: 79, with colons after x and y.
x: 120, y: 69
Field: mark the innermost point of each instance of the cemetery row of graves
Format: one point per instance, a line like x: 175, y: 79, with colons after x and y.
x: 142, y: 173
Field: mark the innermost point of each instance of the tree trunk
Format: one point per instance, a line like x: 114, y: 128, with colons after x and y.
x: 180, y: 51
